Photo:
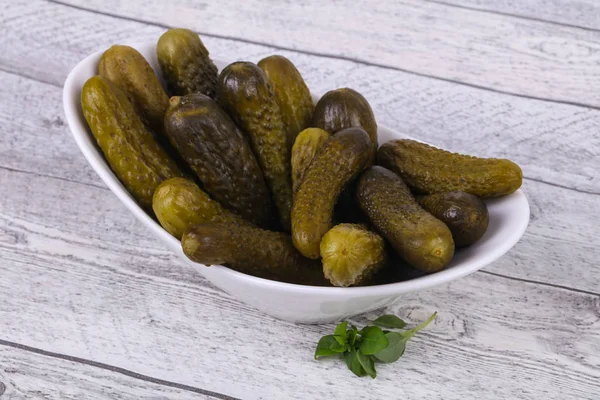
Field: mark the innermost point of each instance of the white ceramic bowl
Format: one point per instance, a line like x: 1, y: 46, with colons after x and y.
x: 509, y: 217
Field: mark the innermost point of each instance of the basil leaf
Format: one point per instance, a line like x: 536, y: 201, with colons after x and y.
x: 353, y: 363
x: 389, y: 321
x: 394, y: 350
x: 340, y: 333
x: 367, y: 363
x: 351, y: 335
x: 328, y: 346
x: 373, y: 340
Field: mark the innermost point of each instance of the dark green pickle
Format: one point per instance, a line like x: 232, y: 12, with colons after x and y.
x: 251, y: 250
x: 465, y: 214
x: 345, y: 108
x: 418, y: 237
x: 219, y: 155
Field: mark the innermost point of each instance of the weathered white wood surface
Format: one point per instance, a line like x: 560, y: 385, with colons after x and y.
x: 576, y: 13
x: 80, y: 278
x: 453, y: 44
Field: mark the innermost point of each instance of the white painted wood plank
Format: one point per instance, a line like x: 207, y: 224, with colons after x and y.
x: 477, y: 48
x: 30, y: 376
x: 544, y: 138
x: 544, y: 341
x: 579, y: 13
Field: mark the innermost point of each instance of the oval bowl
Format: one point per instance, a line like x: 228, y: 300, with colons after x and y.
x: 509, y: 217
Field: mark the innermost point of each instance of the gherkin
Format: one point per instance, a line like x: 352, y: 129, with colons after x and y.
x: 128, y: 69
x: 220, y: 156
x: 251, y: 250
x: 246, y: 94
x: 345, y: 108
x: 418, y: 237
x: 341, y: 159
x: 179, y: 203
x: 352, y: 255
x: 128, y: 146
x: 465, y: 214
x: 307, y: 145
x: 292, y: 94
x: 428, y: 169
x: 185, y: 63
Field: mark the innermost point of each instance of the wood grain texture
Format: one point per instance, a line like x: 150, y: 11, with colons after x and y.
x: 32, y: 376
x: 454, y: 44
x: 577, y: 13
x: 495, y: 330
x: 105, y: 292
x: 81, y: 278
x: 542, y: 137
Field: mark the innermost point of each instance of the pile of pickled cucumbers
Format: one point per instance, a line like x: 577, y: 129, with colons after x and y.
x: 249, y: 173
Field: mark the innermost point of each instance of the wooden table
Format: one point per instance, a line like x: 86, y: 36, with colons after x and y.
x: 93, y: 307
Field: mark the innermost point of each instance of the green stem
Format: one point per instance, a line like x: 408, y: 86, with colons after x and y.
x: 410, y: 333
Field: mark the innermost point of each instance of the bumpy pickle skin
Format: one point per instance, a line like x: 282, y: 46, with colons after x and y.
x: 345, y: 108
x: 186, y: 64
x: 352, y: 255
x: 292, y: 94
x: 125, y: 67
x: 220, y: 156
x: 246, y: 94
x: 130, y: 149
x: 251, y: 250
x: 307, y: 145
x: 427, y: 169
x: 465, y: 214
x: 179, y: 203
x: 340, y: 159
x: 418, y: 237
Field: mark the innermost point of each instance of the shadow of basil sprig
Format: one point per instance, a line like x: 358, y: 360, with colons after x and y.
x: 361, y: 349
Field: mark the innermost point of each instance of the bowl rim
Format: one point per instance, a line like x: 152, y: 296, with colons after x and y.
x: 80, y: 133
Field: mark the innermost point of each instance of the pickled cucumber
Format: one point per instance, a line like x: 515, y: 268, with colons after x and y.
x: 247, y: 95
x: 251, y: 250
x: 128, y: 69
x: 129, y: 147
x: 351, y: 255
x: 185, y: 63
x: 465, y: 214
x: 427, y: 169
x: 345, y: 108
x: 418, y: 237
x: 292, y: 94
x: 307, y: 145
x: 217, y: 152
x: 179, y: 203
x: 339, y: 160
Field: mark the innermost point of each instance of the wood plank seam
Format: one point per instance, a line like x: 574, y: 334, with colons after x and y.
x: 514, y: 278
x: 33, y: 78
x: 53, y: 177
x: 325, y: 55
x: 507, y: 14
x: 115, y: 369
